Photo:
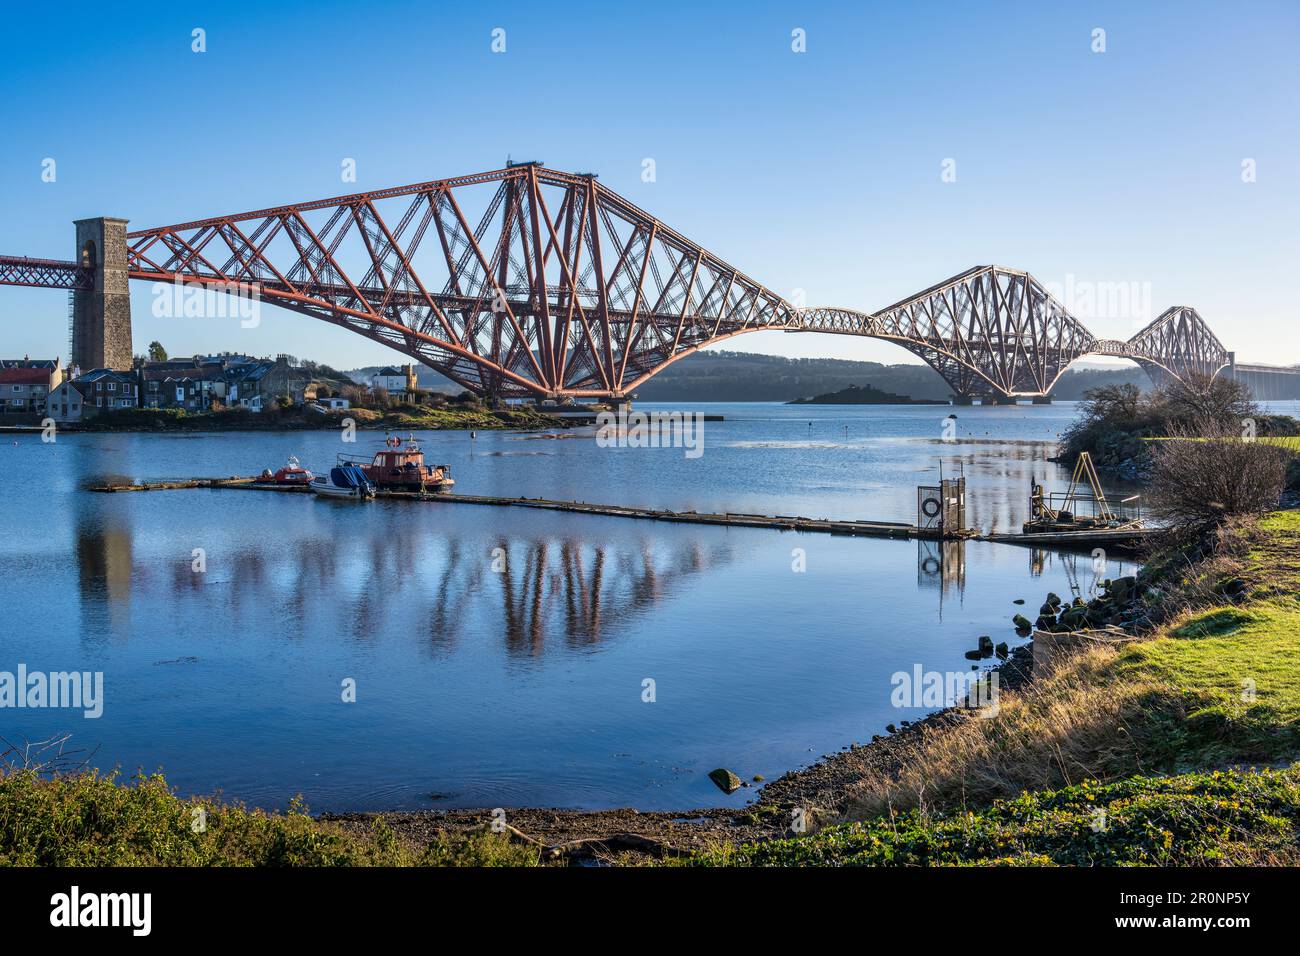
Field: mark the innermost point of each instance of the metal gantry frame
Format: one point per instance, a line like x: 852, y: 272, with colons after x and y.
x: 528, y: 281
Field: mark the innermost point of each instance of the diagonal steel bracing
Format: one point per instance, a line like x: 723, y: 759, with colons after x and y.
x: 520, y: 281
x: 531, y: 281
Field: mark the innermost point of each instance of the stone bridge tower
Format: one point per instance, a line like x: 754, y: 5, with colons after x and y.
x: 101, y: 316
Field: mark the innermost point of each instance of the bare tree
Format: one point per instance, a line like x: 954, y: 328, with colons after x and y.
x: 1206, y: 473
x: 46, y: 757
x: 1222, y: 401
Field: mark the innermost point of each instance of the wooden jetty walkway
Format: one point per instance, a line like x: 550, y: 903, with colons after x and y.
x: 875, y: 529
x: 870, y: 529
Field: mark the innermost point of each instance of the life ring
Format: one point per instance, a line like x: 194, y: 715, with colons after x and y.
x: 931, y: 507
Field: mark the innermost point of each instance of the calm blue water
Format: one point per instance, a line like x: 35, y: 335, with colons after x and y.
x: 519, y: 686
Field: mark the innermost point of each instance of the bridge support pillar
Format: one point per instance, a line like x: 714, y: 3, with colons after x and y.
x: 101, y: 317
x: 1042, y: 399
x: 1005, y: 400
x: 963, y: 399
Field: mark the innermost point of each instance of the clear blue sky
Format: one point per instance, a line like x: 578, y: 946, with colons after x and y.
x: 819, y: 171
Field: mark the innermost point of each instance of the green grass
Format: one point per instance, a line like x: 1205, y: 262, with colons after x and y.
x: 1225, y: 818
x: 1238, y: 666
x: 92, y: 820
x: 1289, y: 442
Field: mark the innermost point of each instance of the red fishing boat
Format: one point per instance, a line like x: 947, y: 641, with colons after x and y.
x: 400, y: 467
x: 291, y: 474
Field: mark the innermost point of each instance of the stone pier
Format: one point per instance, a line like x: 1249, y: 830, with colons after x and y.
x: 101, y: 317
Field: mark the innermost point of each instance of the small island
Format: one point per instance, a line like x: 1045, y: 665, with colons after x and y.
x: 864, y: 395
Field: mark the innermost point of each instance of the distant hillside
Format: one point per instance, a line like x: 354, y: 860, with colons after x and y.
x: 749, y: 377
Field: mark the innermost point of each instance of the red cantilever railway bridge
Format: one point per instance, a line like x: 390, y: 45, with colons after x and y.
x: 531, y: 281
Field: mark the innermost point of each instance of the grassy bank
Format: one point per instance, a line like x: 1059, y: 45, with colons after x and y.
x: 89, y: 820
x: 1219, y: 818
x: 1219, y: 683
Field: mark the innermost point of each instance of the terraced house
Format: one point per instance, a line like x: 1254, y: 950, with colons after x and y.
x: 191, y: 384
x: 25, y: 384
x: 106, y: 388
x: 231, y: 381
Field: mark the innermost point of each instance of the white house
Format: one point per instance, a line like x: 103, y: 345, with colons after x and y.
x: 391, y: 380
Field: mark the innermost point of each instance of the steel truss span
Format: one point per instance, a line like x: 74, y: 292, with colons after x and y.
x: 530, y: 281
x: 45, y: 273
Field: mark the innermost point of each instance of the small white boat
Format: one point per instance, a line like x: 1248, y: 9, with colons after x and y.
x: 345, y: 481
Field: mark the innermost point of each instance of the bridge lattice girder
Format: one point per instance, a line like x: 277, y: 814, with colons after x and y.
x: 45, y: 273
x: 561, y: 287
x: 987, y: 331
x: 1178, y: 343
x: 527, y: 280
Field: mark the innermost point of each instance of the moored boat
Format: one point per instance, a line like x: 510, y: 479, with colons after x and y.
x: 400, y: 467
x: 292, y: 474
x: 344, y: 481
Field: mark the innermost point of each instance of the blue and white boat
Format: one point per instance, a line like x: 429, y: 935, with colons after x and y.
x: 344, y: 481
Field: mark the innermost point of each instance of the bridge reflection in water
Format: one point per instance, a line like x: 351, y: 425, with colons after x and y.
x: 533, y: 590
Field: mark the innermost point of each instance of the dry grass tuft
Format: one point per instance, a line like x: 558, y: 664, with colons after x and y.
x: 1083, y: 722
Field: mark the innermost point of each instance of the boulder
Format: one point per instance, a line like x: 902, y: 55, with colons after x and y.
x: 1003, y: 650
x: 1022, y: 623
x: 986, y: 643
x: 1122, y: 589
x: 1074, y: 618
x: 1053, y: 599
x: 726, y: 781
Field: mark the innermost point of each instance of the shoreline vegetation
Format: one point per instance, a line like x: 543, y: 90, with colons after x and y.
x: 1117, y: 424
x: 396, y: 418
x: 1170, y: 739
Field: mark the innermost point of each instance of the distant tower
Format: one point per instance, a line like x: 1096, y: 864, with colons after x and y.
x: 101, y: 317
